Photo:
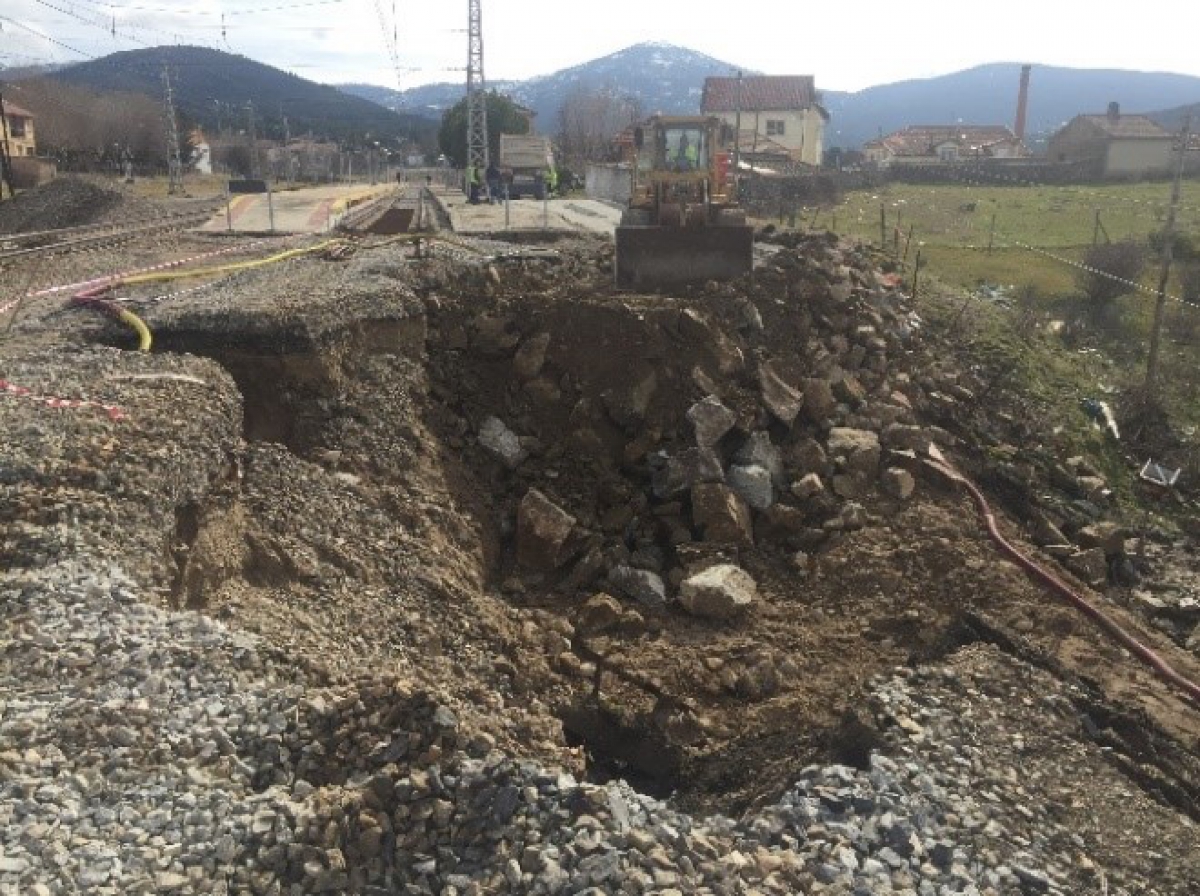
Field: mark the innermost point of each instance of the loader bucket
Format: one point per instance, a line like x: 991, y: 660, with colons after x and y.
x: 650, y: 257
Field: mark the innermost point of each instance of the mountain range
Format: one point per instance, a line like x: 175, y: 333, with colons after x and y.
x: 213, y: 87
x: 670, y: 79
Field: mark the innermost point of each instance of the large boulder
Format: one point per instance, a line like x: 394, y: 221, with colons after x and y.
x: 819, y: 402
x: 1108, y: 536
x: 724, y: 591
x: 858, y: 450
x: 710, y: 420
x: 682, y: 472
x: 721, y: 515
x: 645, y: 587
x: 780, y: 397
x: 531, y: 356
x: 759, y: 450
x: 502, y: 442
x: 543, y: 532
x: 753, y: 483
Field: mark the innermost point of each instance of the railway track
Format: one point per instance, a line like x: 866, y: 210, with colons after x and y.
x: 90, y: 236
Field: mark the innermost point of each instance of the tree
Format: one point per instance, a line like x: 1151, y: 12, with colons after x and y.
x: 503, y: 117
x: 588, y: 121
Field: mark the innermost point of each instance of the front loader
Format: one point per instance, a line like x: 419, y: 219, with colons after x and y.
x: 682, y: 225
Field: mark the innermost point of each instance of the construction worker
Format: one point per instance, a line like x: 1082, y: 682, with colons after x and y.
x: 473, y: 185
x: 688, y: 154
x: 551, y: 180
x: 492, y: 175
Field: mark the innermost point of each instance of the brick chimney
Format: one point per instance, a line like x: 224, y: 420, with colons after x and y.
x: 1022, y: 103
x: 1114, y: 112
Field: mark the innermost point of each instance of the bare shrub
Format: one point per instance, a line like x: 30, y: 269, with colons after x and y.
x: 1113, y: 269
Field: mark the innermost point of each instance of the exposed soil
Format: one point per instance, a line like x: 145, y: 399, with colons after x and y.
x: 362, y: 521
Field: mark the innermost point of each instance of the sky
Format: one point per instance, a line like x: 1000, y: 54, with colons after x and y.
x: 846, y: 46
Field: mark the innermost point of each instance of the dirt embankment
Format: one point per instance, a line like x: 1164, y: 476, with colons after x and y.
x: 484, y: 518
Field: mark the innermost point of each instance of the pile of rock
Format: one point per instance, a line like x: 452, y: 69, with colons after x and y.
x: 803, y: 423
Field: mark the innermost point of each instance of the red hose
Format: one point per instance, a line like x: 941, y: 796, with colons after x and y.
x: 1063, y: 590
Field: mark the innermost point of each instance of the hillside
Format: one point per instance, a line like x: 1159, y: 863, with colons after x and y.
x: 1172, y: 119
x: 661, y: 76
x: 210, y: 83
x: 670, y: 79
x: 987, y: 94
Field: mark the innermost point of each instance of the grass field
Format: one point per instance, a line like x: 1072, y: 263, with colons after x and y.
x: 1102, y: 354
x: 952, y: 226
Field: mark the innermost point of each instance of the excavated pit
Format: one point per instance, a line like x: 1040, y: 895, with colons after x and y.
x: 591, y: 400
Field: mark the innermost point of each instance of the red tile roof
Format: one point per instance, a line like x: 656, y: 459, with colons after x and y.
x: 1127, y: 126
x: 760, y: 93
x: 14, y: 111
x: 923, y: 140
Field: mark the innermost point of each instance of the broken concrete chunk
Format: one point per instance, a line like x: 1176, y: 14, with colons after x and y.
x: 721, y: 515
x: 781, y: 398
x: 723, y: 592
x: 759, y: 450
x: 543, y: 530
x: 1108, y: 536
x: 601, y: 613
x: 818, y: 399
x: 808, y: 486
x: 710, y: 420
x: 627, y: 407
x: 685, y: 470
x: 902, y: 437
x: 858, y: 448
x: 502, y: 442
x: 898, y: 483
x: 753, y: 484
x: 808, y: 456
x: 531, y: 356
x: 1044, y: 532
x: 645, y: 587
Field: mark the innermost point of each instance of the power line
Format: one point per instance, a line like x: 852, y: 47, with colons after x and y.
x: 46, y: 37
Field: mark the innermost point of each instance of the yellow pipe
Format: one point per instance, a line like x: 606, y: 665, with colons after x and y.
x: 139, y: 327
x: 225, y: 268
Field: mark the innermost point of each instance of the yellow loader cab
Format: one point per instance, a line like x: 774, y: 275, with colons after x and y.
x: 682, y: 225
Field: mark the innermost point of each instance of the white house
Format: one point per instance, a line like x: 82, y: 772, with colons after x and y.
x: 779, y: 114
x: 1119, y: 145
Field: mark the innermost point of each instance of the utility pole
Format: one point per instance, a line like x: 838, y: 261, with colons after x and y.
x: 737, y: 130
x: 174, y: 165
x: 1167, y: 255
x: 477, y: 129
x: 6, y: 173
x: 253, y: 138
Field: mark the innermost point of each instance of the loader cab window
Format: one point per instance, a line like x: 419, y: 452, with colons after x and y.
x: 680, y: 149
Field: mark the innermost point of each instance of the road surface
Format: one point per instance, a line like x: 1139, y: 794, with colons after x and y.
x: 305, y: 210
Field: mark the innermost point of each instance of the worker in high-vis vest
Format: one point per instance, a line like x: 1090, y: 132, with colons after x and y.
x: 551, y: 180
x: 688, y: 154
x: 473, y: 184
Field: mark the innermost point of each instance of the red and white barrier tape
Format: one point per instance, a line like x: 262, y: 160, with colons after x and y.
x: 113, y: 278
x: 114, y: 412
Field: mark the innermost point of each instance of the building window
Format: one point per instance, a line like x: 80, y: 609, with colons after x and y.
x: 948, y: 153
x: 775, y: 127
x: 16, y: 127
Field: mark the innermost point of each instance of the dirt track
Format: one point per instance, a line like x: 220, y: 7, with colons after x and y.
x: 335, y: 460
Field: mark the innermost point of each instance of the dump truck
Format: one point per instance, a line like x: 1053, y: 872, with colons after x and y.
x: 683, y: 224
x: 524, y: 161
